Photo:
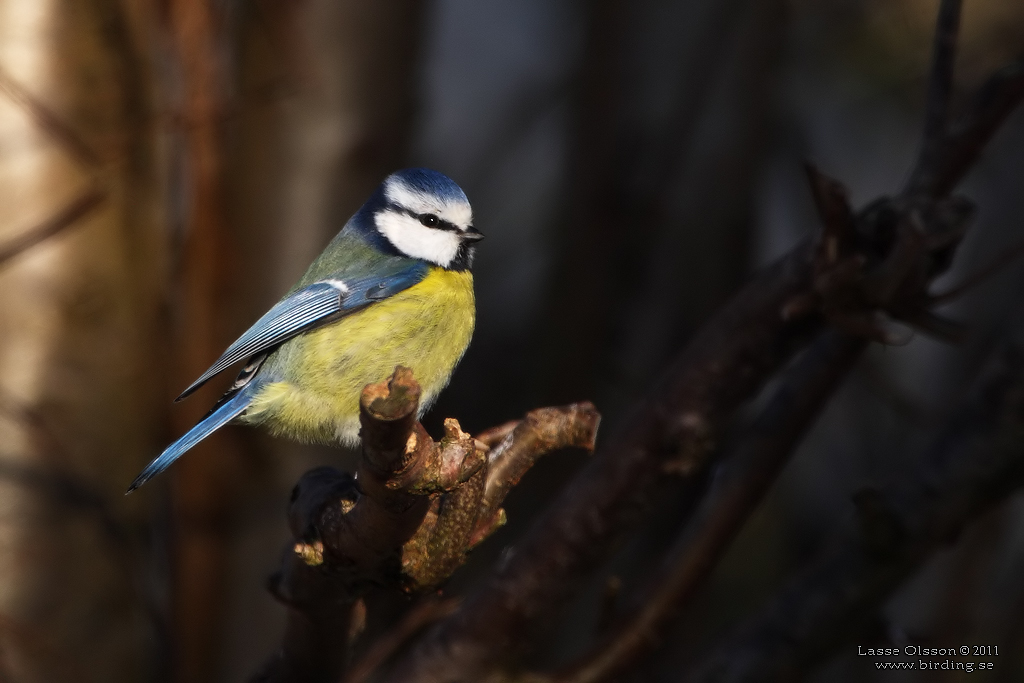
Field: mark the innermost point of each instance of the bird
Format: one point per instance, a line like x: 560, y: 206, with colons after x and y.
x: 393, y: 287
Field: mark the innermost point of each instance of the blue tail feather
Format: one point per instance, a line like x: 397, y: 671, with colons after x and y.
x: 220, y: 416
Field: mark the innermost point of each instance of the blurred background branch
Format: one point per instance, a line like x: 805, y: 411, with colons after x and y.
x: 169, y: 168
x: 737, y: 488
x: 973, y: 465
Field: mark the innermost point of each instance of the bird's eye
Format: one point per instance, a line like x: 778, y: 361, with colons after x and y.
x: 429, y: 220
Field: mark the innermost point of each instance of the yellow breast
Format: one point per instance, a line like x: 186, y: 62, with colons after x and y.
x: 320, y: 374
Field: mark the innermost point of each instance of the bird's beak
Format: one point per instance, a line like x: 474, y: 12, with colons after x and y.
x: 471, y: 234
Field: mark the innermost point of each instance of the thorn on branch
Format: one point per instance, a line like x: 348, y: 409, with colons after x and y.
x: 833, y: 204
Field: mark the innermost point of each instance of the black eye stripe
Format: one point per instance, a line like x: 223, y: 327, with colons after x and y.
x: 441, y: 224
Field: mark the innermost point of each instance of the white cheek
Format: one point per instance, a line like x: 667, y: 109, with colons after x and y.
x: 416, y: 240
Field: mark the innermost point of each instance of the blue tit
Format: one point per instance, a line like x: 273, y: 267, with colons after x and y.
x: 393, y: 287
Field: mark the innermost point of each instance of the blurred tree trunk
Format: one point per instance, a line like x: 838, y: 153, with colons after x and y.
x: 661, y: 212
x: 697, y: 253
x: 660, y: 187
x: 587, y: 282
x: 82, y: 275
x: 206, y: 482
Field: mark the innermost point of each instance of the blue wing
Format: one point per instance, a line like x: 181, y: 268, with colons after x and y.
x: 311, y: 306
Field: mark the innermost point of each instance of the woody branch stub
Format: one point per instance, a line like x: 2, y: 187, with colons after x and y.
x: 416, y: 505
x: 406, y: 520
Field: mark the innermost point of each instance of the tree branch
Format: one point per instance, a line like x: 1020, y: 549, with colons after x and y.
x: 63, y: 133
x: 429, y: 610
x: 996, y: 100
x: 406, y: 521
x: 863, y: 271
x: 974, y: 464
x: 65, y: 218
x: 747, y: 474
x: 948, y: 152
x: 673, y: 432
x: 859, y: 266
x: 542, y: 431
x: 882, y: 261
x: 940, y: 83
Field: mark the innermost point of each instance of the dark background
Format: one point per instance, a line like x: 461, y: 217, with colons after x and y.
x: 630, y: 164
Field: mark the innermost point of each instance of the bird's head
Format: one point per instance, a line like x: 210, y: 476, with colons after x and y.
x: 425, y: 215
